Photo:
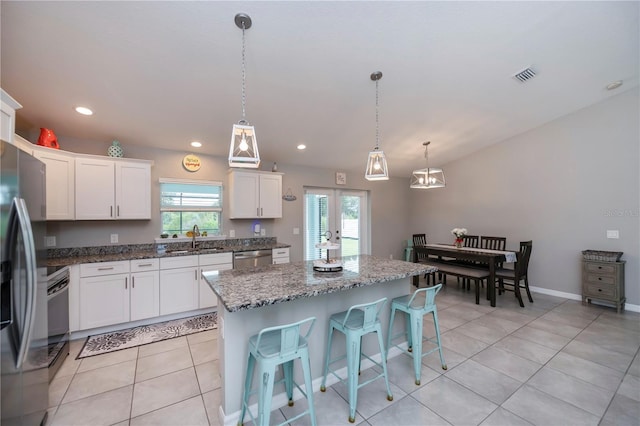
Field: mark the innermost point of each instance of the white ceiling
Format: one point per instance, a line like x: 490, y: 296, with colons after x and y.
x: 165, y: 73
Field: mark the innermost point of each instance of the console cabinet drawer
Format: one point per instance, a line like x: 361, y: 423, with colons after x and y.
x: 603, y: 281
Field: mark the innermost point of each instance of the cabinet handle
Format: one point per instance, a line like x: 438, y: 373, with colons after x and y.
x: 105, y: 269
x: 257, y: 211
x: 599, y: 289
x: 125, y: 282
x: 110, y: 211
x: 133, y: 282
x: 261, y: 212
x: 599, y: 278
x: 145, y: 264
x: 118, y: 211
x: 599, y: 267
x: 196, y: 271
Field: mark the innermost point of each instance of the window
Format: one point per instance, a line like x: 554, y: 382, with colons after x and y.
x: 185, y: 203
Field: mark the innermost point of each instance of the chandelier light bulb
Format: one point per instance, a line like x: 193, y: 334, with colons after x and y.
x: 377, y: 165
x: 243, y: 143
x: 421, y: 180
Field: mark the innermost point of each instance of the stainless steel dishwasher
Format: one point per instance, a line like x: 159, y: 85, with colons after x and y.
x: 250, y: 259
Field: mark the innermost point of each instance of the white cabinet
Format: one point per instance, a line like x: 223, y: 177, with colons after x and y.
x: 60, y: 178
x: 255, y: 195
x: 104, y: 294
x: 212, y: 262
x: 179, y: 280
x: 7, y: 116
x: 280, y: 255
x: 112, y: 189
x: 145, y: 289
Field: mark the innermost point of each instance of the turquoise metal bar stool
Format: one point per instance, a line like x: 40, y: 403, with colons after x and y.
x: 415, y: 311
x: 270, y: 348
x: 355, y: 323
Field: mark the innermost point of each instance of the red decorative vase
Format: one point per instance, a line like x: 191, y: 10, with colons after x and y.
x: 48, y: 138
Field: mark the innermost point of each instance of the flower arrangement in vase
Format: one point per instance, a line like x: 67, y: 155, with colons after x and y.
x: 459, y: 233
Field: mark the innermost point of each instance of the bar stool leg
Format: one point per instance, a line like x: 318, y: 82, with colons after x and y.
x: 416, y: 335
x: 287, y: 368
x: 408, y: 332
x: 251, y: 362
x: 308, y: 384
x: 435, y: 322
x: 383, y: 361
x: 353, y: 359
x: 327, y: 361
x: 266, y: 391
x: 390, y: 329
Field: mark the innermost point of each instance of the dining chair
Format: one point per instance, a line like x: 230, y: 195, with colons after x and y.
x: 493, y: 243
x: 471, y: 241
x: 517, y: 274
x: 421, y: 240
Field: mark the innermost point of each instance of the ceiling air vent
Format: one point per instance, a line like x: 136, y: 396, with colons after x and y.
x: 525, y: 75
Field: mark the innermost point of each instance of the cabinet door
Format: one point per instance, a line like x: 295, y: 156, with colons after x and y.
x: 270, y: 196
x: 133, y: 190
x: 208, y: 298
x: 145, y: 295
x: 244, y: 195
x: 61, y: 183
x: 178, y: 290
x: 95, y: 190
x: 104, y: 300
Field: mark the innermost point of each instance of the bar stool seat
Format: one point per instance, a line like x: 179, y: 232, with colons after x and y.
x: 415, y: 311
x: 271, y: 347
x: 354, y: 323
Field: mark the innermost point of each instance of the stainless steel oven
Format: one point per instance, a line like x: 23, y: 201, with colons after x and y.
x: 58, y: 316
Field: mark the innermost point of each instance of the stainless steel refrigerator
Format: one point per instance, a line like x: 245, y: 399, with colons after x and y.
x: 23, y: 311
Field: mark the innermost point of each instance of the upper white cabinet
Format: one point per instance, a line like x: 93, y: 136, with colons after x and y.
x: 60, y: 178
x: 112, y: 189
x: 255, y: 195
x: 7, y: 116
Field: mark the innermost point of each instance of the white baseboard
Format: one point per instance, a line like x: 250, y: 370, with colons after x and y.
x: 572, y: 296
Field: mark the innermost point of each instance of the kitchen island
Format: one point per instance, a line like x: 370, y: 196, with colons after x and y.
x: 280, y: 294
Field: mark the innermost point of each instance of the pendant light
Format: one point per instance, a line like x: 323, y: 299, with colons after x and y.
x: 377, y: 163
x: 243, y: 151
x: 429, y: 177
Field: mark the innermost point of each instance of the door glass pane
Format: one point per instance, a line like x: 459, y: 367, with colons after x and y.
x: 316, y: 224
x: 350, y: 225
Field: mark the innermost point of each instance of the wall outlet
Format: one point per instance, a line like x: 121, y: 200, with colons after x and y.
x: 613, y: 234
x: 50, y: 241
x: 114, y: 238
x: 232, y: 233
x: 263, y: 232
x: 296, y: 231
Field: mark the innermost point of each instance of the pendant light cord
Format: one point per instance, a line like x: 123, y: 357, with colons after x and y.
x: 244, y: 96
x: 377, y: 121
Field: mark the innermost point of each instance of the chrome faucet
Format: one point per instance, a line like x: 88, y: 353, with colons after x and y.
x: 196, y: 233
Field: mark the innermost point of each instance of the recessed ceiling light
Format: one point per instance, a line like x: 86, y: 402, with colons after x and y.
x: 614, y: 85
x: 301, y: 146
x: 196, y: 144
x: 83, y: 110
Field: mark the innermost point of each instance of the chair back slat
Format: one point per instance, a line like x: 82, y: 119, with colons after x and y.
x: 522, y: 264
x: 370, y: 310
x: 471, y: 241
x: 493, y: 243
x: 419, y: 240
x: 429, y: 295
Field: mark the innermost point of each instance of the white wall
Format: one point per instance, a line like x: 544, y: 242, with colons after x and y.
x: 562, y: 185
x: 389, y: 202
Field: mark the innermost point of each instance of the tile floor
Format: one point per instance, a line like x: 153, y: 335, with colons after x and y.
x: 555, y: 362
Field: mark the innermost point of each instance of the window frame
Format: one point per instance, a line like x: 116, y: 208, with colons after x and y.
x: 192, y: 209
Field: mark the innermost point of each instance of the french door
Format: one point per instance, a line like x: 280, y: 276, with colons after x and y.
x: 339, y: 216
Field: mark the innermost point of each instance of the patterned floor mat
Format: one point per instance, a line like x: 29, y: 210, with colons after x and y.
x: 145, y: 334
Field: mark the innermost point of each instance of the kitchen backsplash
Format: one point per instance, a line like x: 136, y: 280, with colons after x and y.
x: 54, y: 253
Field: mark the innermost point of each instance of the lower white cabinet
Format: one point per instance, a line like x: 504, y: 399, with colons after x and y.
x: 212, y: 262
x: 117, y: 292
x: 179, y: 281
x: 104, y: 294
x: 145, y: 289
x: 280, y: 255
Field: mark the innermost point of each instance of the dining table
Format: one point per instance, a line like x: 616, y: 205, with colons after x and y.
x: 492, y: 258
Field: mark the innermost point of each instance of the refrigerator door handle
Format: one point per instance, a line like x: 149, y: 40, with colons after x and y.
x: 7, y: 272
x: 24, y: 222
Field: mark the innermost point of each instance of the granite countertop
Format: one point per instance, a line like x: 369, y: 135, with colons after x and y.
x: 268, y: 285
x: 73, y: 256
